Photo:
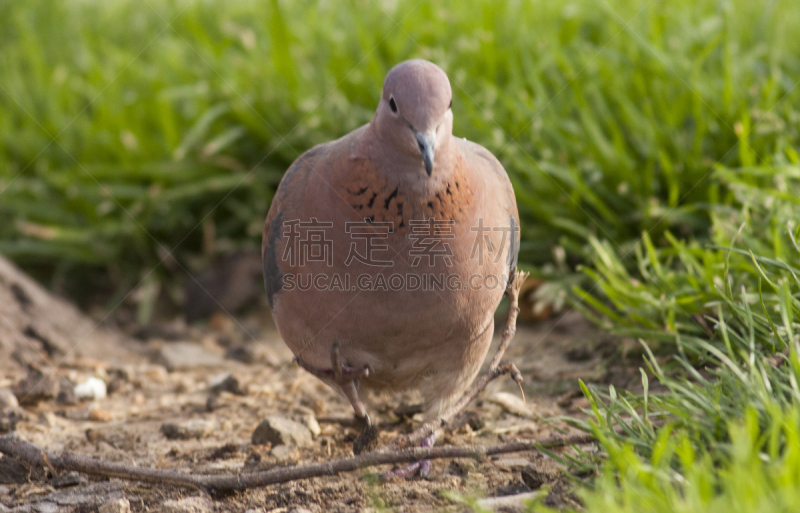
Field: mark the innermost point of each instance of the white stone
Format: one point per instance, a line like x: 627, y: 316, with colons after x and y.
x: 512, y: 404
x: 91, y: 389
x: 311, y: 423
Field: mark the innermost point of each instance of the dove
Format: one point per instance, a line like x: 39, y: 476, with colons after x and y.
x: 386, y: 252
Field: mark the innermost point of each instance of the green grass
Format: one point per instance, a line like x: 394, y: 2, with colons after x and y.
x: 652, y: 145
x: 723, y: 431
x: 132, y: 126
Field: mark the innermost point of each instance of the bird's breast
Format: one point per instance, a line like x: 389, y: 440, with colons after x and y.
x: 402, y: 199
x: 389, y: 269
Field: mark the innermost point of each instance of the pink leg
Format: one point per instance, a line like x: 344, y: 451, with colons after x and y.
x: 346, y: 378
x: 421, y: 468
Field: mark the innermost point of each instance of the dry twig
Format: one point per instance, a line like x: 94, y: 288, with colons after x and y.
x: 11, y: 446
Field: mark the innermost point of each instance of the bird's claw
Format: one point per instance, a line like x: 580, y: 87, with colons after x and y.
x: 421, y: 468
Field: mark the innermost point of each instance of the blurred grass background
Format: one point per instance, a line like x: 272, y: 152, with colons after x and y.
x: 129, y: 130
x: 653, y: 146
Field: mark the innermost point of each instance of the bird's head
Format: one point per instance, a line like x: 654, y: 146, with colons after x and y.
x: 414, y: 113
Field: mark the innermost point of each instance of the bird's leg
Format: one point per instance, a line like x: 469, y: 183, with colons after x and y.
x: 421, y: 468
x: 347, y: 378
x: 496, y: 368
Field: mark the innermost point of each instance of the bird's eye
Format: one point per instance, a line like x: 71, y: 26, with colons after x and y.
x: 451, y: 104
x: 392, y: 104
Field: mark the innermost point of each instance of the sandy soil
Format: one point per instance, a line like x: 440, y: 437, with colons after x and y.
x: 161, y: 384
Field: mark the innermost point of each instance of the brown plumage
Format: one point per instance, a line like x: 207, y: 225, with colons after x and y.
x: 435, y: 206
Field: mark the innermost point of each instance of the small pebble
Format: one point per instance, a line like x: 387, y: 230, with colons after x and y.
x: 10, y: 418
x: 36, y: 387
x: 188, y: 430
x: 512, y: 404
x: 186, y: 355
x: 44, y: 507
x: 117, y: 506
x: 66, y: 396
x: 100, y: 415
x: 188, y: 505
x: 311, y: 423
x: 225, y: 382
x: 116, y: 384
x: 94, y: 436
x: 534, y: 477
x: 156, y: 374
x: 7, y: 399
x: 212, y: 403
x: 47, y: 419
x: 283, y: 452
x: 91, y: 389
x: 281, y: 431
x: 242, y: 353
x: 511, y: 462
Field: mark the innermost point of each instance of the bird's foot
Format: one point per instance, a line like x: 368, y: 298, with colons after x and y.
x: 367, y: 440
x: 420, y: 468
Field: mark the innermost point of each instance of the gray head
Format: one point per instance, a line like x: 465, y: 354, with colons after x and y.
x: 414, y: 113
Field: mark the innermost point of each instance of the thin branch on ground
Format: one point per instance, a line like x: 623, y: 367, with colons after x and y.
x: 495, y: 370
x: 11, y: 446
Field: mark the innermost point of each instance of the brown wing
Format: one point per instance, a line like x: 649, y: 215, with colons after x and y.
x: 486, y: 162
x: 288, y: 195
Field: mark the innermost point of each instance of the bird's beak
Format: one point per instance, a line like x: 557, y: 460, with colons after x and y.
x: 427, y: 146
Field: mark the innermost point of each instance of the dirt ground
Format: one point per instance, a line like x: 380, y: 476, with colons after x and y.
x: 169, y: 377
